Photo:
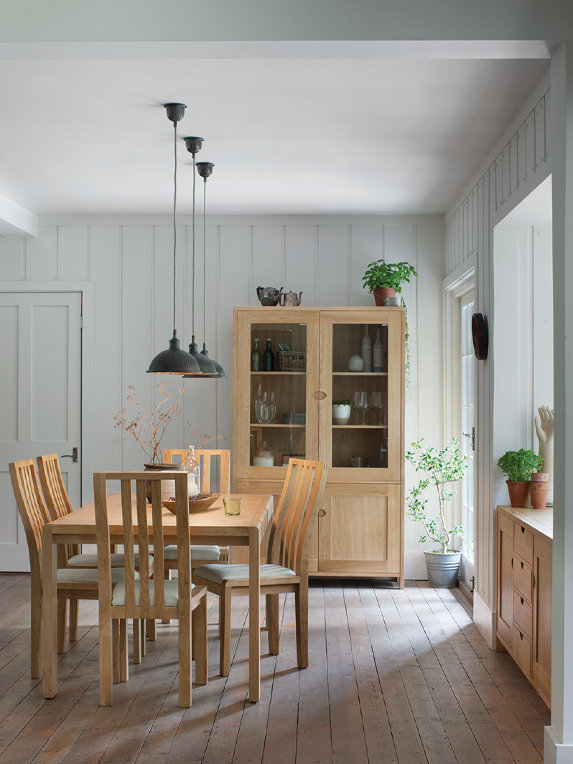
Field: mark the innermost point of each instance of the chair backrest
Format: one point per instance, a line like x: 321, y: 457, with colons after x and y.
x: 53, y: 486
x: 31, y: 507
x: 207, y: 458
x: 295, y: 517
x: 137, y: 514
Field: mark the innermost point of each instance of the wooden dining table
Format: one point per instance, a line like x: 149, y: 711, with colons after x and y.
x: 210, y: 526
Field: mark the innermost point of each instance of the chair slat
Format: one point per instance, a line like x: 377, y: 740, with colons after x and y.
x: 128, y: 543
x: 143, y: 540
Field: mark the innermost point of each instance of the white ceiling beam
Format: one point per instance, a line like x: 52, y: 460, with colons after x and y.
x: 16, y: 220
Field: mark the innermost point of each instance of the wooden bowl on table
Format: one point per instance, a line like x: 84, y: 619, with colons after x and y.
x: 196, y: 503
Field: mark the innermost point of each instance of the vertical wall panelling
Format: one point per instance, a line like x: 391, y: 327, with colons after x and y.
x: 333, y: 247
x: 520, y: 161
x: 13, y: 258
x: 42, y: 255
x: 269, y: 255
x: 73, y: 253
x: 366, y: 246
x: 301, y: 274
x: 105, y: 262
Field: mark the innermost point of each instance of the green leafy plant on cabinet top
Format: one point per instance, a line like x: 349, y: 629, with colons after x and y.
x: 379, y: 273
x: 518, y: 465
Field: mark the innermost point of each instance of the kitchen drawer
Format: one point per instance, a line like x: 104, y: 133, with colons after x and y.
x: 522, y: 651
x: 522, y: 577
x: 523, y: 542
x: 522, y: 614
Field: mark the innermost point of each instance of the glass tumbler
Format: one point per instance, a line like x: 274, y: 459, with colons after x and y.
x: 232, y: 505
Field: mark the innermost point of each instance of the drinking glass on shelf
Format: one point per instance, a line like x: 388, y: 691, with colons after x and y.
x: 361, y: 402
x: 376, y: 404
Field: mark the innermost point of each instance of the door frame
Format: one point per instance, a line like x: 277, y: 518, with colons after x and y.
x: 86, y: 289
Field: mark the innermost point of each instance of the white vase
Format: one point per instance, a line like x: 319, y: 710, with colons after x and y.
x: 377, y: 354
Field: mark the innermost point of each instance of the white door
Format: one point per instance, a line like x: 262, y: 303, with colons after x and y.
x: 468, y: 431
x: 40, y: 380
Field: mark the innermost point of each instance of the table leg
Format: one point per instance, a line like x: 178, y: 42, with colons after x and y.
x: 254, y: 615
x: 49, y: 602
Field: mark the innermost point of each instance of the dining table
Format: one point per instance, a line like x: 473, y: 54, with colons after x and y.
x: 209, y: 526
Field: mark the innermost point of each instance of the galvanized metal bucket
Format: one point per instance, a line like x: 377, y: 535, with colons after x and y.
x: 443, y: 569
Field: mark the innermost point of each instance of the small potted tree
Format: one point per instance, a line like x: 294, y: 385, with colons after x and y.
x: 440, y: 468
x: 518, y: 466
x: 384, y: 280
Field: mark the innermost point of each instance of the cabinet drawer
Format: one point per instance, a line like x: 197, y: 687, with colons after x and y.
x: 522, y: 577
x: 523, y: 542
x: 522, y: 614
x: 522, y: 651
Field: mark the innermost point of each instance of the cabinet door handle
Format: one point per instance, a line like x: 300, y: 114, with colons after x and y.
x: 522, y: 600
x: 520, y: 635
x: 521, y: 566
x: 522, y: 529
x: 321, y: 512
x: 319, y: 395
x: 534, y: 580
x: 512, y: 562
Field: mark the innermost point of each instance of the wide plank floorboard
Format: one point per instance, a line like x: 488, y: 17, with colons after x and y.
x: 394, y: 676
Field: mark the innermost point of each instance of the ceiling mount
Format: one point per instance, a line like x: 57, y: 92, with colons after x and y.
x: 175, y: 111
x: 193, y: 143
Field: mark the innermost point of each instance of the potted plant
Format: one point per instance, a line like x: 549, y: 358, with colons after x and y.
x: 341, y: 411
x: 440, y: 468
x: 539, y: 489
x: 385, y: 280
x: 518, y: 466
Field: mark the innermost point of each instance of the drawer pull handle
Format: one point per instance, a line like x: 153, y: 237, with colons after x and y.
x: 321, y: 512
x: 520, y: 635
x: 521, y: 566
x: 522, y: 600
x: 522, y: 529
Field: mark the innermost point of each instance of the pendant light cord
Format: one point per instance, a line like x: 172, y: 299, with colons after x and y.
x: 193, y: 257
x: 204, y: 258
x: 174, y: 222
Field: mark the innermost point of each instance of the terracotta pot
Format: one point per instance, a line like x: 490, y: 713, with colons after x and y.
x: 539, y: 477
x: 381, y: 292
x: 538, y: 491
x: 518, y: 493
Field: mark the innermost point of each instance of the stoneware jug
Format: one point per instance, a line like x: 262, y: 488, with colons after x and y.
x: 269, y: 295
x: 291, y: 298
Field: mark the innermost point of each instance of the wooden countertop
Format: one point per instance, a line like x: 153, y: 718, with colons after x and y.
x: 539, y: 520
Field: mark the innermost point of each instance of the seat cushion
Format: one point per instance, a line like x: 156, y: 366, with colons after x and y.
x: 90, y: 560
x: 219, y: 573
x: 87, y: 575
x: 170, y: 594
x: 198, y: 552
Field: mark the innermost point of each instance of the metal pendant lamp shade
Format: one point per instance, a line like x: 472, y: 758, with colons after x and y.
x: 174, y: 360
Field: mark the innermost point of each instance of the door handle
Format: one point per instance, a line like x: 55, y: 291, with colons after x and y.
x: 73, y: 456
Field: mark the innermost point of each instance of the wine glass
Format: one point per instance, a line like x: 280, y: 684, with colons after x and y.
x: 376, y: 404
x: 361, y: 402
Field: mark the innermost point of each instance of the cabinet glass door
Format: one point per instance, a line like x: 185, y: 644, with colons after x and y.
x: 364, y: 381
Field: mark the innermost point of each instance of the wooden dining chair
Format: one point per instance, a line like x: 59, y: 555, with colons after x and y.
x: 147, y: 598
x: 207, y: 458
x: 59, y: 505
x: 72, y: 584
x: 287, y: 568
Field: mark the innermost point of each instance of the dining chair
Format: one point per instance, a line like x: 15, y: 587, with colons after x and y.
x: 59, y: 505
x: 287, y: 568
x: 202, y: 553
x: 145, y: 597
x: 72, y: 584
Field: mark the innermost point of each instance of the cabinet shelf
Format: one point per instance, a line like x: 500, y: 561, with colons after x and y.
x: 278, y: 373
x: 359, y: 373
x: 274, y: 424
x: 359, y: 426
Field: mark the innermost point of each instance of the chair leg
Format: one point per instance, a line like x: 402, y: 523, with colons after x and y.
x: 74, y: 606
x: 116, y: 651
x: 105, y: 661
x: 123, y: 659
x: 185, y: 660
x: 136, y: 641
x: 301, y: 607
x: 272, y: 613
x: 225, y: 631
x: 62, y: 606
x: 35, y: 627
x: 143, y: 630
x: 199, y: 641
x: 166, y: 577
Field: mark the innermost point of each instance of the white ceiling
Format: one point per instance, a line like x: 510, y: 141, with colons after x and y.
x: 287, y: 135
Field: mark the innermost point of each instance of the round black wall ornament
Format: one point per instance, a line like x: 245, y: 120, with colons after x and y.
x: 480, y: 336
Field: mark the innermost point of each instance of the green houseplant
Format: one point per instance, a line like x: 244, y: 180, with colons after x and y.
x: 384, y: 279
x: 518, y: 466
x: 439, y: 468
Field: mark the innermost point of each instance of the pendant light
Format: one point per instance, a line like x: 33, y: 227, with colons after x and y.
x: 207, y: 367
x: 174, y: 360
x: 205, y: 170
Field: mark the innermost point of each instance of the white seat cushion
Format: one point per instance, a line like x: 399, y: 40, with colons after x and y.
x: 170, y: 594
x: 90, y: 560
x: 219, y: 573
x: 87, y: 575
x: 198, y: 552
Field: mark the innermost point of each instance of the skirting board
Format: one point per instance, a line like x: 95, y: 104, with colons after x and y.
x: 484, y: 619
x: 415, y: 566
x: 556, y: 753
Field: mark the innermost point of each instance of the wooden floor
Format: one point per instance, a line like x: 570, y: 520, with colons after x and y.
x: 394, y: 676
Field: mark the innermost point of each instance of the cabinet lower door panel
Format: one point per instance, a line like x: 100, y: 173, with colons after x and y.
x: 361, y: 534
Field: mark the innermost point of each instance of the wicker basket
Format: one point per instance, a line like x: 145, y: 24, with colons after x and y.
x: 292, y: 360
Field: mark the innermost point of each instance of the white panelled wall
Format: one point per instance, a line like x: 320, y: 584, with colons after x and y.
x: 129, y: 262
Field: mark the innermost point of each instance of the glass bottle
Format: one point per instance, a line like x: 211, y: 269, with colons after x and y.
x: 256, y: 357
x: 258, y: 403
x: 377, y: 354
x: 366, y: 351
x: 268, y: 358
x: 272, y: 409
x: 192, y: 472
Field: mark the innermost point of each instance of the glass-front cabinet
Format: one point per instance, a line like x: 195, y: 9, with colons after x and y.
x: 328, y: 384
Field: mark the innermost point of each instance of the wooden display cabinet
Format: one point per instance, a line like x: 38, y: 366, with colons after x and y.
x: 360, y: 527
